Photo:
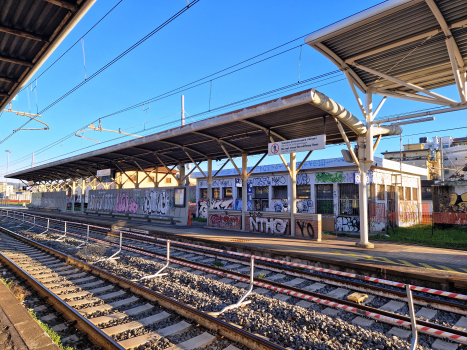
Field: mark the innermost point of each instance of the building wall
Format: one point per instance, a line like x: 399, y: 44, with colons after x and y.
x: 342, y: 219
x: 450, y: 198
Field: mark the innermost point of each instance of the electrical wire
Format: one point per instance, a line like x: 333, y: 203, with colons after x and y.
x: 123, y: 54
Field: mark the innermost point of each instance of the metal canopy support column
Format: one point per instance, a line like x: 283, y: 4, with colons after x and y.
x: 73, y: 189
x: 293, y: 192
x: 209, y: 181
x: 83, y: 192
x: 366, y: 158
x: 181, y: 168
x: 244, y: 189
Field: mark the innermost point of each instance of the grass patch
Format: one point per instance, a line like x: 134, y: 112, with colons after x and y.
x: 199, y: 219
x: 455, y: 237
x: 261, y: 275
x: 52, y: 334
x: 217, y: 264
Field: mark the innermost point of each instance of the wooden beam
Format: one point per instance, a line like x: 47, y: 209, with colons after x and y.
x: 7, y: 80
x: 65, y: 4
x: 22, y: 33
x: 16, y: 61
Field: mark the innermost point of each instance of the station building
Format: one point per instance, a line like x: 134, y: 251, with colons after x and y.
x: 325, y: 187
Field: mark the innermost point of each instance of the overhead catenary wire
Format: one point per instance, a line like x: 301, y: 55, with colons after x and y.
x: 123, y: 54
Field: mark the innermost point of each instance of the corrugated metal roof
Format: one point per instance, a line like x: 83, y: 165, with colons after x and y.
x: 29, y: 32
x: 400, y: 38
x: 294, y: 116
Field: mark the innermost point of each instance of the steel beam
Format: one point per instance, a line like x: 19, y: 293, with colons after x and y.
x: 63, y: 3
x: 22, y: 33
x: 230, y: 158
x: 266, y: 130
x: 15, y: 61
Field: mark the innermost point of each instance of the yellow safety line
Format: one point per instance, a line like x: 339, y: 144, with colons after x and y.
x: 428, y: 266
x: 388, y: 261
x: 447, y: 268
x: 407, y: 263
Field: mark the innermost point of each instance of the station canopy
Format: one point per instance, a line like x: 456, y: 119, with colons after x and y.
x: 401, y: 48
x: 30, y: 30
x: 303, y: 114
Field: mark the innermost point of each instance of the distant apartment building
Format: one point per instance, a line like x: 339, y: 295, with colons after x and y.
x: 6, y: 189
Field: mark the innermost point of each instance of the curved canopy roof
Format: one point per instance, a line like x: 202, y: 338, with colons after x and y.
x: 303, y: 114
x: 401, y: 48
x: 30, y: 30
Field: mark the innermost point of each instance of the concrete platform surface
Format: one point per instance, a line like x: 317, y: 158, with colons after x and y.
x: 403, y: 257
x: 24, y: 331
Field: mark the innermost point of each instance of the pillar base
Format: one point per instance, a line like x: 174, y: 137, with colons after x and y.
x: 365, y: 245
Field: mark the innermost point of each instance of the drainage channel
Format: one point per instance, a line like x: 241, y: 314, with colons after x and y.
x: 117, y: 313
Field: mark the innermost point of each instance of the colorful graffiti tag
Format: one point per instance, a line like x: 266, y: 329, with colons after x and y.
x: 305, y: 206
x: 457, y: 203
x: 229, y: 222
x: 329, y: 177
x: 269, y: 225
x: 125, y: 204
x: 408, y: 213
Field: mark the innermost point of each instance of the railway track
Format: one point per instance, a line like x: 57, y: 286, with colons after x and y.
x: 117, y: 313
x: 386, y: 301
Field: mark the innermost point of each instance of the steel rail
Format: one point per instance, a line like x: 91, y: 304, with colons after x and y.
x: 429, y: 328
x: 382, y: 291
x: 94, y: 333
x: 225, y: 329
x: 378, y: 290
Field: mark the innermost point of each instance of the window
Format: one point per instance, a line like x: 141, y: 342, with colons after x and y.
x: 227, y: 192
x: 391, y: 192
x: 324, y: 200
x: 408, y: 194
x: 370, y: 191
x: 203, y: 193
x: 168, y: 180
x: 239, y: 193
x: 349, y: 203
x: 279, y: 192
x: 380, y: 192
x: 216, y: 192
x: 303, y: 192
x: 415, y: 194
x: 261, y: 192
x: 400, y: 193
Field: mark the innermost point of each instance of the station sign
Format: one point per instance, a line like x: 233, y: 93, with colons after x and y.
x: 297, y: 145
x: 104, y: 172
x: 358, y: 179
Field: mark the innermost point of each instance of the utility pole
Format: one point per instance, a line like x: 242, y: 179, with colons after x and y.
x: 32, y: 161
x: 7, y: 163
x: 183, y: 110
x: 442, y: 161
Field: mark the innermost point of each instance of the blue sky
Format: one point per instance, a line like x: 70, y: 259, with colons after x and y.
x: 210, y: 36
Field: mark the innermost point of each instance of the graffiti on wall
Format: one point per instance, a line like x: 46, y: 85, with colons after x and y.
x: 280, y: 206
x: 222, y: 183
x: 377, y: 216
x: 278, y: 180
x: 457, y: 203
x: 124, y: 203
x: 408, y: 213
x: 102, y: 202
x: 222, y: 204
x: 203, y: 208
x: 261, y: 181
x: 303, y: 179
x: 156, y: 202
x: 238, y: 205
x: 305, y: 206
x: 347, y: 224
x: 329, y: 177
x: 230, y: 222
x: 304, y: 228
x: 269, y: 225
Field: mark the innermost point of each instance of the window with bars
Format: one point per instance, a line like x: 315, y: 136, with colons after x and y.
x: 203, y: 193
x: 216, y: 192
x: 324, y: 199
x: 380, y: 192
x: 415, y: 194
x: 348, y: 198
x: 261, y: 192
x: 279, y: 192
x: 227, y: 192
x: 400, y: 192
x: 408, y: 193
x: 303, y: 192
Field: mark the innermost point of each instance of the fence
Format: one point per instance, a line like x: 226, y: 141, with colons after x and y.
x: 427, y: 218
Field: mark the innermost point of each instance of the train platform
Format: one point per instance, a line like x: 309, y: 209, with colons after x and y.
x: 331, y: 252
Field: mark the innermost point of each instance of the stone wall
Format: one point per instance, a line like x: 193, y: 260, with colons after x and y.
x: 49, y: 200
